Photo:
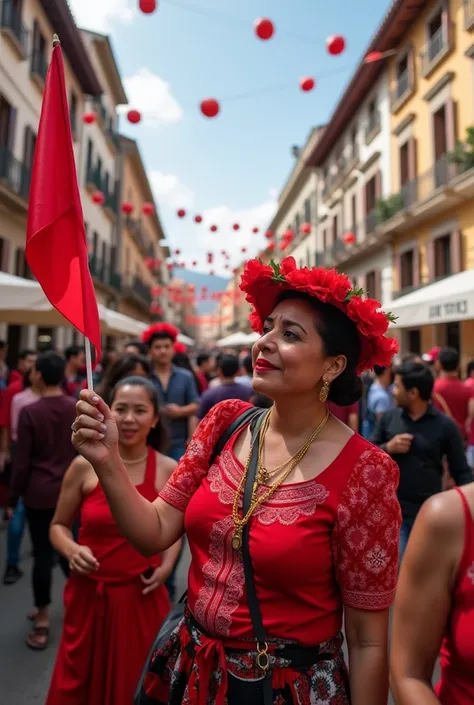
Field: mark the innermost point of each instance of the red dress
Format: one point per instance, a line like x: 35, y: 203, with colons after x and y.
x: 456, y: 686
x: 315, y: 545
x: 109, y: 625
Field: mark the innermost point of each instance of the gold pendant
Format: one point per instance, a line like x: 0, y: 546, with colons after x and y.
x: 236, y: 542
x: 263, y: 476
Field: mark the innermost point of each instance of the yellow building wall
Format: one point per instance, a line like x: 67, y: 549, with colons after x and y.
x: 461, y: 89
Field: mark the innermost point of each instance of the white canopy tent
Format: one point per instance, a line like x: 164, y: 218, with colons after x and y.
x: 184, y: 339
x: 237, y: 340
x: 450, y: 299
x: 23, y: 302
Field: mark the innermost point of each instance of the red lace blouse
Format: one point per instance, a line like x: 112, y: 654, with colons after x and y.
x: 315, y: 545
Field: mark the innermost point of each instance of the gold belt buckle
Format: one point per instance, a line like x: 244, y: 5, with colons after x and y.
x: 263, y: 659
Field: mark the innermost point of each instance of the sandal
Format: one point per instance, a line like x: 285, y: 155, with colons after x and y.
x: 35, y: 638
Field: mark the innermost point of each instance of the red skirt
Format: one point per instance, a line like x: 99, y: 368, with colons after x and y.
x: 108, y: 631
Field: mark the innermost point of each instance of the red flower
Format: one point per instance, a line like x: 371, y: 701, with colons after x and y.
x: 160, y: 328
x: 370, y: 320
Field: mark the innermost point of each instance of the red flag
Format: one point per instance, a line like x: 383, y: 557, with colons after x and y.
x: 56, y: 247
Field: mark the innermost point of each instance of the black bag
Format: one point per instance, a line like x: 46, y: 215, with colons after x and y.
x: 177, y: 612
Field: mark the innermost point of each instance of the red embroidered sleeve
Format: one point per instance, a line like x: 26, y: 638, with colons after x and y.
x: 194, y: 464
x: 366, y: 535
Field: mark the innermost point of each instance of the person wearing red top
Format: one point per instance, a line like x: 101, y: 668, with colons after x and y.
x: 450, y: 395
x: 433, y: 610
x: 323, y: 522
x: 26, y: 360
x: 115, y: 599
x: 347, y: 414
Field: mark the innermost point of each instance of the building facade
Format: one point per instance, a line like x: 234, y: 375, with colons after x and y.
x: 430, y: 213
x: 26, y: 31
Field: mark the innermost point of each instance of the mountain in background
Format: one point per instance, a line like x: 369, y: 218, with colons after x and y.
x: 199, y: 279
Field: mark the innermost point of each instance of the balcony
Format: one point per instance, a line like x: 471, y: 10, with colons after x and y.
x: 468, y: 14
x: 14, y: 175
x: 371, y: 221
x: 102, y: 273
x: 136, y: 291
x: 95, y: 182
x: 403, y: 90
x: 144, y: 245
x: 39, y: 69
x: 345, y: 164
x: 373, y: 127
x: 13, y: 28
x: 437, y: 47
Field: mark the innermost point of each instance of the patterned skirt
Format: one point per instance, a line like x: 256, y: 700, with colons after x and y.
x: 195, y: 669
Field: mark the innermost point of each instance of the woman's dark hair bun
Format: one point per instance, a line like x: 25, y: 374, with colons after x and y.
x: 346, y: 389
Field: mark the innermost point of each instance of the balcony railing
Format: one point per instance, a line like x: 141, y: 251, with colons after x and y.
x: 436, y: 47
x: 14, y: 174
x: 373, y: 125
x: 95, y: 179
x: 468, y: 14
x: 11, y: 20
x: 39, y: 65
x: 371, y: 221
x: 140, y: 289
x: 101, y: 271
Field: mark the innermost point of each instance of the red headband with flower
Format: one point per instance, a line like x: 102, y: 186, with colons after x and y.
x: 180, y: 348
x: 167, y: 328
x: 264, y: 283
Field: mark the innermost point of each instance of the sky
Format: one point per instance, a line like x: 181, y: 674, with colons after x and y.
x: 230, y: 168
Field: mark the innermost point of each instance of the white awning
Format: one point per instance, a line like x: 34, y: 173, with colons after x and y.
x: 22, y: 302
x: 185, y: 340
x: 235, y: 340
x: 450, y: 299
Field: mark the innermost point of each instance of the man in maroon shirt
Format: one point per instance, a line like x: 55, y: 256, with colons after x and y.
x: 16, y: 385
x: 450, y: 395
x: 43, y: 454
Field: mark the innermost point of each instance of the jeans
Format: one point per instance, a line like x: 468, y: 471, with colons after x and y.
x: 177, y: 451
x: 15, y: 531
x: 405, y: 531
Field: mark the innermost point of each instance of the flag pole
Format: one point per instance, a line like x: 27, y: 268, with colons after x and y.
x: 90, y: 383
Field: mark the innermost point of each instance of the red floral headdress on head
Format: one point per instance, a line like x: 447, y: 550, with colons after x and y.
x: 180, y: 348
x: 167, y: 328
x: 264, y: 283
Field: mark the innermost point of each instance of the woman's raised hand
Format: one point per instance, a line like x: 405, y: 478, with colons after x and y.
x: 94, y: 432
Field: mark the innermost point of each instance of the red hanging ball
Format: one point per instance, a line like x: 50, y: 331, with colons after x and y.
x: 243, y: 249
x: 169, y: 266
x: 198, y: 218
x: 89, y: 118
x: 177, y: 252
x: 149, y: 262
x: 213, y: 228
x: 226, y: 266
x: 127, y: 208
x: 157, y: 263
x: 373, y: 56
x: 255, y: 230
x: 236, y: 226
x: 181, y: 213
x: 305, y: 228
x: 264, y: 28
x: 134, y: 116
x: 148, y: 208
x: 288, y: 235
x: 147, y: 6
x: 98, y: 198
x: 271, y: 247
x: 211, y: 272
x: 269, y: 234
x: 210, y: 107
x: 195, y: 264
x: 349, y: 238
x: 335, y: 44
x: 307, y: 84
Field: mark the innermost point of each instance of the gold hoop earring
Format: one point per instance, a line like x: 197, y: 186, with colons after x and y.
x: 324, y: 393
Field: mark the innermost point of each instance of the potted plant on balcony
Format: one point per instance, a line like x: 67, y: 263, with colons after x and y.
x: 463, y: 153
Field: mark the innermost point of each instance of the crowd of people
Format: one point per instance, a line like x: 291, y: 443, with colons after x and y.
x: 352, y: 469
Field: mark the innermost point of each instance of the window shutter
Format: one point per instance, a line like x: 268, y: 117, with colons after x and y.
x: 430, y: 260
x: 378, y: 184
x: 12, y: 129
x: 412, y: 159
x: 416, y: 267
x: 5, y: 263
x: 456, y: 251
x: 378, y: 285
x: 450, y: 124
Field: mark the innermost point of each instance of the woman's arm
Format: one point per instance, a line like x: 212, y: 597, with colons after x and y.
x: 70, y: 499
x: 150, y: 527
x: 367, y: 636
x: 423, y: 599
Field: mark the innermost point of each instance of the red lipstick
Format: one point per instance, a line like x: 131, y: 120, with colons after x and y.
x: 264, y: 366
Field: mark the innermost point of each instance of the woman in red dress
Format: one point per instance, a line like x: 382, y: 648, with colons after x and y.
x: 324, y: 518
x: 435, y: 604
x: 115, y: 599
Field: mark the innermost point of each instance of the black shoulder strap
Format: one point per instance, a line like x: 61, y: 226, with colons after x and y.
x: 254, y: 606
x: 245, y: 417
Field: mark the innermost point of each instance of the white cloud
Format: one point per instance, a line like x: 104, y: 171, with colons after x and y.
x: 194, y: 240
x: 152, y: 96
x: 170, y: 192
x: 102, y: 15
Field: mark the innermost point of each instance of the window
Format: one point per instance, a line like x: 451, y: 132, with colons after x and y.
x: 20, y: 263
x: 6, y: 123
x: 4, y: 254
x: 439, y: 133
x: 73, y: 114
x: 354, y: 150
x: 95, y: 243
x: 335, y: 229
x: 89, y: 158
x: 297, y: 224
x: 370, y: 195
x: 38, y: 59
x: 403, y: 77
x: 373, y: 119
x: 354, y: 212
x: 371, y: 284
x: 404, y: 164
x: 307, y: 211
x: 435, y: 31
x: 407, y: 274
x: 106, y: 183
x: 99, y: 170
x: 442, y: 256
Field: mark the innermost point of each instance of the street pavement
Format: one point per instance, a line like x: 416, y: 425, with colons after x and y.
x: 25, y: 674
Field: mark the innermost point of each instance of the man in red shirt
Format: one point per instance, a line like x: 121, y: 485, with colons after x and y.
x: 469, y: 381
x: 26, y: 360
x: 450, y: 395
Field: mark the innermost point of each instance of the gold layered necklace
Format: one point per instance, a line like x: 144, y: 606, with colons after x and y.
x: 264, y: 475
